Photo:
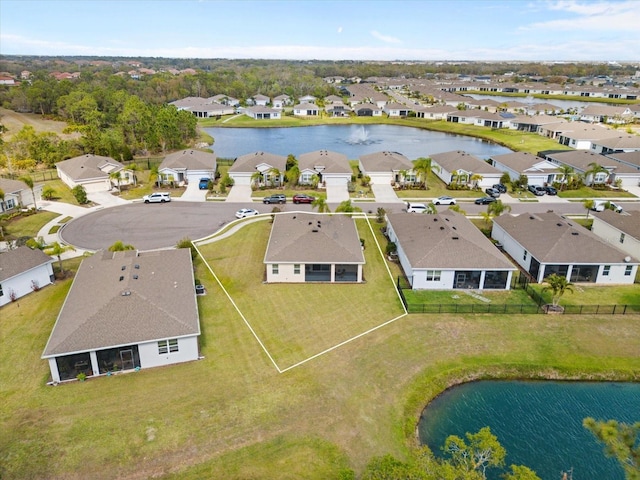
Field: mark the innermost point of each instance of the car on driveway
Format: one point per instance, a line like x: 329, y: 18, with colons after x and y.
x: 444, y: 200
x: 246, y: 212
x: 277, y: 198
x: 157, y: 197
x: 484, y: 200
x: 492, y: 192
x: 500, y: 187
x: 550, y: 191
x: 204, y: 183
x: 303, y: 198
x: 536, y: 190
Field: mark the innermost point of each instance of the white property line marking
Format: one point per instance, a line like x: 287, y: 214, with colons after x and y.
x: 212, y: 238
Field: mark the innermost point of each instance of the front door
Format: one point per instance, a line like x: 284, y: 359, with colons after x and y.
x: 126, y: 357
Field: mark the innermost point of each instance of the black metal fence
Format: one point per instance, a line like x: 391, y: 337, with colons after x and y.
x: 505, y: 308
x: 37, y: 177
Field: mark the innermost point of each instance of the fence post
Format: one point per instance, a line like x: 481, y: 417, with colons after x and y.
x: 614, y: 310
x: 597, y: 309
x: 624, y: 310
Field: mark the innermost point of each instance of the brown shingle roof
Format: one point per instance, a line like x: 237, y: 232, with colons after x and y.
x: 102, y: 311
x: 89, y: 166
x: 459, y: 160
x: 249, y: 162
x: 190, y: 160
x: 333, y: 162
x: 629, y: 223
x: 14, y: 262
x: 313, y: 238
x: 385, y: 162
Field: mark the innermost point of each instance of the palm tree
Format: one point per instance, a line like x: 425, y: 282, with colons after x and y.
x: 119, y: 246
x: 116, y: 176
x: 497, y: 208
x: 589, y: 204
x: 133, y: 167
x: 476, y: 178
x: 422, y: 167
x: 154, y: 175
x: 55, y: 249
x: 274, y: 172
x: 347, y: 207
x: 486, y: 217
x: 567, y: 171
x: 256, y: 178
x: 293, y: 174
x: 558, y: 285
x: 594, y: 169
x: 320, y: 203
x: 29, y: 181
x: 1, y: 200
x: 456, y: 208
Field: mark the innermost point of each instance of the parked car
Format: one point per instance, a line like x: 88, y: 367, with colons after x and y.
x: 492, y: 192
x: 601, y: 206
x: 536, y: 190
x: 444, y: 200
x: 246, y: 212
x: 550, y: 191
x: 276, y: 198
x: 204, y: 183
x: 157, y: 197
x: 500, y: 187
x: 416, y: 207
x: 484, y: 200
x: 303, y: 198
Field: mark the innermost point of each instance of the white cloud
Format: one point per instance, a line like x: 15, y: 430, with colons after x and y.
x: 594, y: 16
x: 385, y: 38
x: 339, y: 29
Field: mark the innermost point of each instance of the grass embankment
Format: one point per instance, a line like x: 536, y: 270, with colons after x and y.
x: 231, y: 415
x: 28, y: 225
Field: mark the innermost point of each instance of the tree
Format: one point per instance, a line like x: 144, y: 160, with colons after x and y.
x: 456, y: 208
x: 621, y: 441
x: 119, y: 246
x: 589, y: 205
x: 133, y: 168
x: 116, y: 176
x: 595, y: 169
x: 55, y: 249
x: 29, y: 182
x: 482, y: 450
x: 422, y: 168
x: 80, y: 194
x: 520, y: 472
x: 567, y: 172
x: 476, y: 178
x: 187, y: 243
x: 320, y: 203
x: 497, y: 208
x: 558, y: 285
x: 505, y: 179
x: 347, y: 207
x: 48, y: 192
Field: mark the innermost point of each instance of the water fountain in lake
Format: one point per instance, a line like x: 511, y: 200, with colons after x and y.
x: 360, y: 136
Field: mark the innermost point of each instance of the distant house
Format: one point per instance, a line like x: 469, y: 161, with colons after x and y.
x: 385, y: 168
x: 18, y: 195
x: 307, y: 99
x: 268, y: 167
x: 437, y: 112
x: 188, y: 166
x: 446, y: 251
x: 396, y: 110
x: 306, y: 110
x: 367, y: 110
x: 93, y: 172
x: 631, y: 159
x: 606, y: 114
x: 206, y: 107
x: 263, y: 113
x: 621, y: 143
x: 281, y: 101
x: 546, y: 243
x: 623, y: 231
x: 478, y: 118
x: 581, y: 137
x: 533, y: 123
x: 581, y: 160
x: 125, y: 311
x: 23, y: 271
x: 306, y: 248
x: 537, y: 170
x: 458, y: 167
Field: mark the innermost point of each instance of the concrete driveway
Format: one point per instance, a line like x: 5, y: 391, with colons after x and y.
x: 384, y: 193
x: 192, y: 194
x: 106, y: 199
x: 240, y: 193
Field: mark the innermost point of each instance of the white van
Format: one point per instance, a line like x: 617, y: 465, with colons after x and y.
x: 416, y: 207
x: 601, y: 206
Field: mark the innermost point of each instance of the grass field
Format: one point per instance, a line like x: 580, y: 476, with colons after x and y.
x: 232, y: 415
x: 28, y: 226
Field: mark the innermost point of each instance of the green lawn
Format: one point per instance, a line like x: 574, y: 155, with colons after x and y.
x: 28, y: 225
x: 232, y: 415
x: 62, y: 192
x: 459, y: 297
x: 587, y: 294
x: 587, y: 192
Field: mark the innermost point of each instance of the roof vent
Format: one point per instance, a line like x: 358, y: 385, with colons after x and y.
x: 627, y: 259
x: 315, y: 230
x: 575, y: 233
x: 531, y: 217
x: 435, y: 219
x: 310, y: 223
x: 126, y: 293
x: 455, y: 238
x: 136, y: 266
x: 441, y: 228
x: 135, y: 277
x: 121, y: 278
x: 559, y: 224
x: 124, y: 267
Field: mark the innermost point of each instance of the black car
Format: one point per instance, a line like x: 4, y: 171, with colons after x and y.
x: 492, y: 192
x: 500, y: 187
x: 277, y: 198
x: 550, y: 190
x: 484, y: 200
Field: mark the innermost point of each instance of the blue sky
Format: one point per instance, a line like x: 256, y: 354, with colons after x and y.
x: 560, y: 30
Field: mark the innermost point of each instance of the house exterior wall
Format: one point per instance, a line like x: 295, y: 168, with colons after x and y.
x: 336, y: 179
x: 285, y: 273
x: 612, y: 235
x: 616, y: 274
x: 513, y: 248
x: 187, y: 351
x: 21, y: 284
x: 241, y: 178
x: 419, y: 280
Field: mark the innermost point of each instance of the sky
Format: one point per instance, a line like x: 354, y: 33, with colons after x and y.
x: 423, y: 30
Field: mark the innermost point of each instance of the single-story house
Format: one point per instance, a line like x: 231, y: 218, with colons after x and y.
x: 258, y: 167
x: 537, y: 170
x: 479, y: 118
x: 337, y: 109
x: 621, y: 143
x: 306, y: 110
x: 621, y: 230
x: 93, y: 173
x: 22, y: 271
x: 581, y: 137
x: 263, y: 113
x: 396, y: 110
x: 436, y: 112
x: 386, y: 168
x: 606, y: 114
x: 188, y: 166
x: 126, y: 311
x: 459, y: 167
x: 223, y: 99
x: 532, y: 123
x: 631, y: 159
x: 580, y: 160
x: 332, y: 168
x: 260, y: 100
x: 308, y: 247
x: 367, y: 110
x: 18, y: 195
x: 446, y: 251
x: 205, y: 107
x: 307, y: 99
x: 546, y: 243
x: 281, y: 101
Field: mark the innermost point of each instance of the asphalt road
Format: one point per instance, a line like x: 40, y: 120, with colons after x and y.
x: 153, y: 226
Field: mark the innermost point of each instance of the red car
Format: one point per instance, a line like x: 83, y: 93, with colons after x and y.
x: 302, y: 198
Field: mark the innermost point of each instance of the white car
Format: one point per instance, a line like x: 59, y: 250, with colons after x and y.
x: 246, y: 212
x: 157, y: 197
x: 416, y: 207
x: 444, y: 200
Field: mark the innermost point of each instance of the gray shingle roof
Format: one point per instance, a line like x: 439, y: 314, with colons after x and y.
x: 14, y: 262
x: 89, y: 166
x: 12, y: 186
x: 447, y: 240
x: 313, y: 238
x: 551, y: 238
x: 521, y: 161
x: 98, y: 313
x: 249, y: 162
x: 628, y: 223
x: 190, y: 160
x: 333, y: 162
x: 385, y: 162
x: 580, y: 160
x: 459, y: 160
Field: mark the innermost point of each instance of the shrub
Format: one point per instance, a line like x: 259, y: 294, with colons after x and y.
x: 80, y: 194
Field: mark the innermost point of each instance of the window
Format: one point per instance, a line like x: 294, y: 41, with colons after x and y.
x: 524, y: 255
x: 622, y: 238
x: 433, y: 275
x: 606, y: 270
x: 296, y: 269
x: 275, y: 269
x: 168, y: 346
x: 1, y: 291
x: 627, y: 271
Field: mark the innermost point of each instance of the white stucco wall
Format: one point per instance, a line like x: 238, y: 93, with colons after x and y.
x: 420, y: 280
x: 21, y: 284
x: 611, y: 234
x: 187, y: 351
x: 616, y: 274
x: 285, y: 274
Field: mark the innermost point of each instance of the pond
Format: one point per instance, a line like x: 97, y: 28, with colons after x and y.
x: 538, y: 423
x: 564, y: 104
x: 351, y: 140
